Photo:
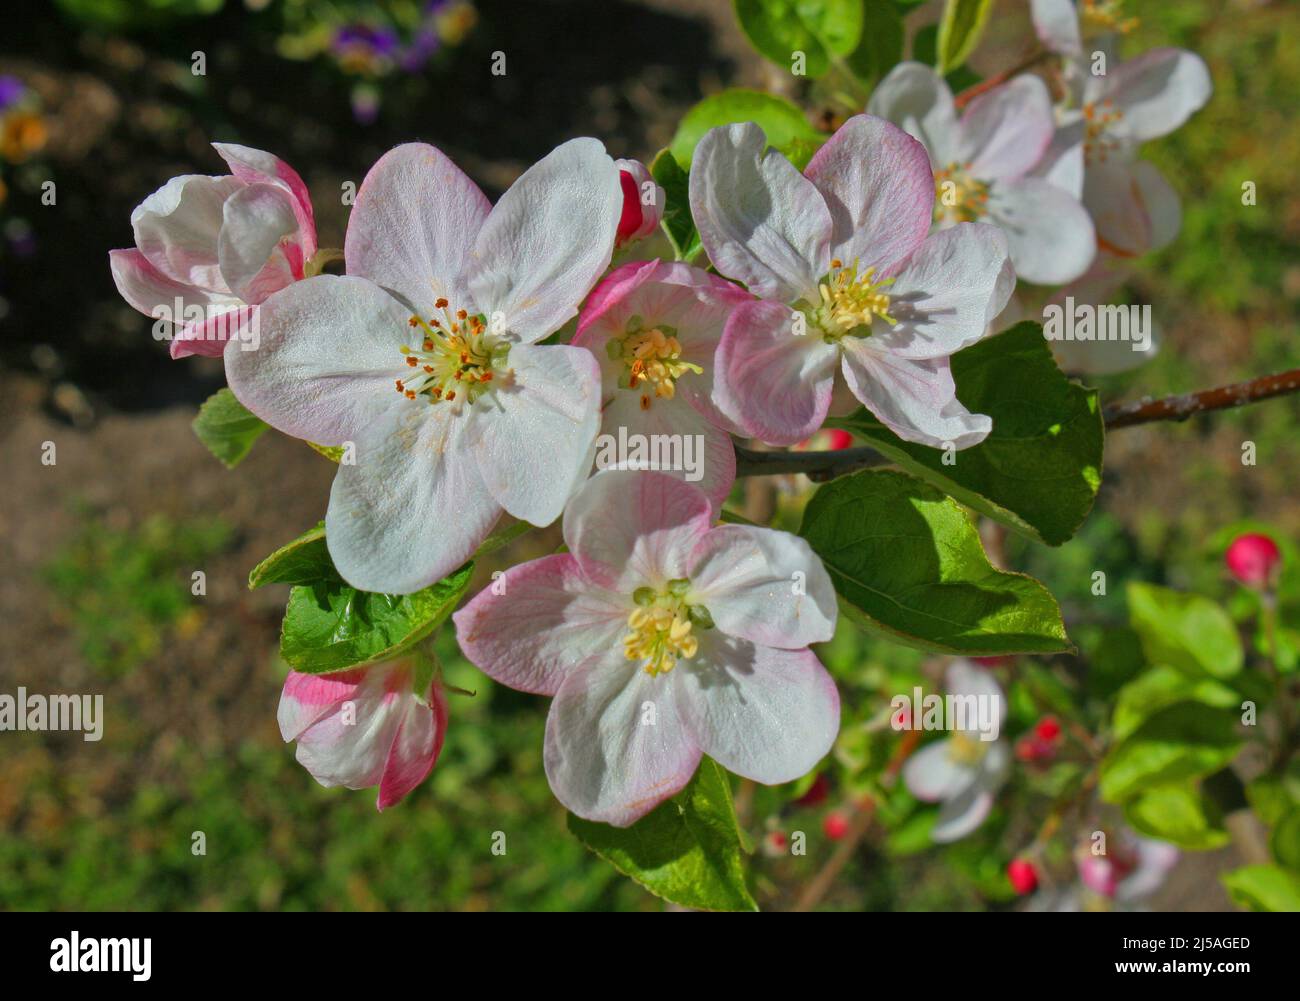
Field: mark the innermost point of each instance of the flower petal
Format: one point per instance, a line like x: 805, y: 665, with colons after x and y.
x: 629, y: 529
x: 877, y: 184
x: 258, y: 219
x: 773, y: 383
x: 326, y: 360
x: 308, y: 697
x: 933, y: 773
x: 914, y: 398
x: 1050, y: 236
x: 946, y: 292
x: 533, y: 439
x: 538, y: 622
x: 1134, y: 208
x: 760, y: 220
x: 413, y: 224
x: 548, y: 240
x: 616, y: 746
x: 415, y: 747
x: 412, y: 508
x: 1006, y: 130
x: 916, y: 99
x: 253, y: 166
x: 1057, y: 25
x: 177, y: 228
x: 764, y: 586
x: 1155, y: 93
x: 154, y: 294
x: 768, y: 715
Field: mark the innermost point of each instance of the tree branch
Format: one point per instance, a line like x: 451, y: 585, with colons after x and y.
x: 822, y: 466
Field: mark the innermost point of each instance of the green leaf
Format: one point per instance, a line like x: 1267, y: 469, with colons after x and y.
x: 821, y: 29
x: 786, y: 128
x: 1263, y: 888
x: 907, y: 562
x: 687, y: 850
x: 1185, y: 631
x: 305, y: 560
x: 881, y: 45
x: 1159, y: 687
x: 1285, y: 840
x: 960, y: 29
x: 331, y: 626
x: 1268, y: 797
x: 1178, y: 814
x: 227, y: 427
x: 1182, y: 741
x: 677, y: 221
x: 1039, y: 469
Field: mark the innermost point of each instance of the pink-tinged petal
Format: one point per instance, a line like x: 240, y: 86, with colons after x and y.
x: 413, y: 507
x: 532, y: 440
x: 1133, y: 207
x: 629, y: 529
x: 760, y: 220
x: 1062, y: 162
x: 253, y: 248
x: 768, y: 715
x: 537, y: 622
x: 771, y: 382
x: 643, y: 201
x: 208, y: 337
x: 1057, y: 25
x: 689, y: 446
x: 326, y: 360
x: 308, y: 697
x: 415, y: 747
x: 616, y: 745
x: 1050, y: 235
x: 878, y: 186
x: 182, y: 306
x: 412, y: 227
x: 177, y: 228
x: 916, y: 99
x: 763, y: 586
x: 548, y: 241
x: 1006, y: 130
x: 1155, y: 93
x: 933, y: 773
x: 946, y: 293
x: 914, y: 398
x: 254, y: 165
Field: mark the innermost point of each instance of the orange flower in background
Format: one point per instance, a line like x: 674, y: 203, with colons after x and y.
x: 22, y: 134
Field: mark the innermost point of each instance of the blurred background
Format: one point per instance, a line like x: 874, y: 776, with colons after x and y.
x: 99, y: 97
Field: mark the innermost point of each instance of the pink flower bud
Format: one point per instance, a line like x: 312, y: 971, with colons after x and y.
x: 643, y: 202
x: 1099, y: 874
x: 1253, y: 559
x: 836, y: 825
x: 1023, y: 876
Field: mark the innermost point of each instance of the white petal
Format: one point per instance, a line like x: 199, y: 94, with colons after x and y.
x: 965, y: 677
x: 177, y: 228
x: 256, y: 220
x: 916, y: 399
x: 933, y: 773
x: 532, y: 436
x: 1050, y: 236
x: 1156, y: 92
x: 326, y: 359
x: 768, y: 715
x: 760, y: 220
x: 1006, y: 130
x: 915, y: 98
x: 1057, y: 25
x: 616, y: 746
x: 764, y: 586
x: 548, y: 240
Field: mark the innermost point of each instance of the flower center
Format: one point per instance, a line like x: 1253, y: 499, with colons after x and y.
x: 661, y: 626
x: 1098, y: 117
x: 652, y: 360
x: 455, y: 361
x: 966, y: 750
x: 958, y: 197
x: 1103, y: 16
x: 849, y: 302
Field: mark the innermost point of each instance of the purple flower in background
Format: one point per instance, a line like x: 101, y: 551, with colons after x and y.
x: 11, y: 91
x: 422, y: 48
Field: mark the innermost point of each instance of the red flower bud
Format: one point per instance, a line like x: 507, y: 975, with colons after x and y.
x: 1253, y: 559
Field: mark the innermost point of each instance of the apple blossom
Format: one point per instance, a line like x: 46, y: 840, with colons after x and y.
x: 964, y: 771
x: 1253, y: 559
x: 662, y: 638
x: 985, y: 162
x: 643, y: 202
x: 366, y: 727
x: 1133, y: 207
x: 207, y: 249
x: 654, y: 326
x: 1063, y: 25
x: 840, y: 258
x: 1132, y: 867
x: 424, y: 358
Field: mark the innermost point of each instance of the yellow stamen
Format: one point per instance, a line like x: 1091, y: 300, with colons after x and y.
x: 958, y: 197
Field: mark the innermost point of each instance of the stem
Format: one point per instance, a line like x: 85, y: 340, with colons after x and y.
x: 822, y: 466
x: 997, y: 79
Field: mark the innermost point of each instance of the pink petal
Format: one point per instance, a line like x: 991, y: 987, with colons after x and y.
x: 1006, y: 130
x: 253, y: 166
x: 415, y: 747
x: 253, y: 248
